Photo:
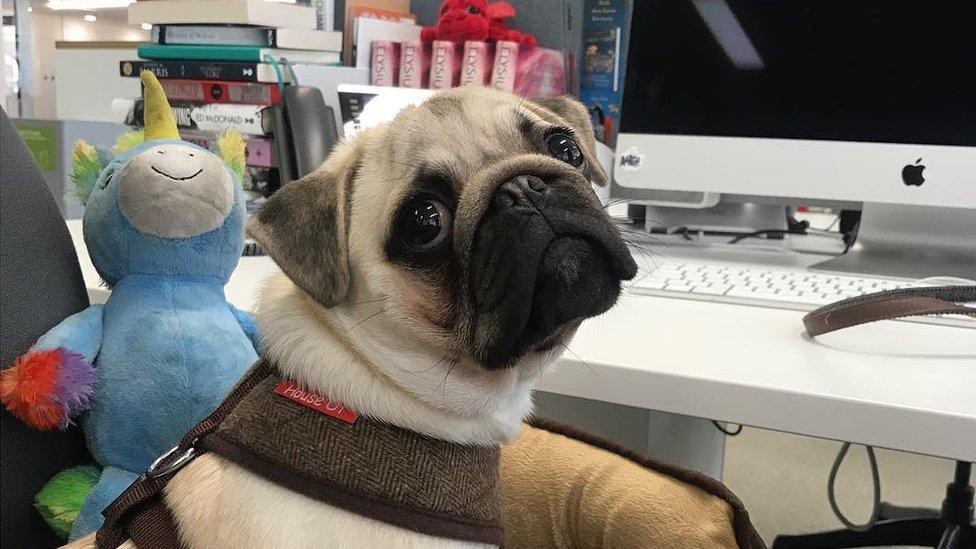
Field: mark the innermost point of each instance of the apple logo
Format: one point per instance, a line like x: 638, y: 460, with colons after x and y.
x: 912, y: 174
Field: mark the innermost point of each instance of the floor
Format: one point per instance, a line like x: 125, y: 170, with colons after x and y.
x: 783, y: 480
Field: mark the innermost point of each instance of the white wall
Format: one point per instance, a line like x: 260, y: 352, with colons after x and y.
x: 47, y: 27
x: 88, y: 81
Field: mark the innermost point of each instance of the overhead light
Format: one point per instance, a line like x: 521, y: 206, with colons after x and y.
x: 86, y: 5
x: 90, y: 18
x: 146, y: 26
x: 30, y: 9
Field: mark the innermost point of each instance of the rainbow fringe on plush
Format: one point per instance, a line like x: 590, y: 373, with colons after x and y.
x: 45, y: 389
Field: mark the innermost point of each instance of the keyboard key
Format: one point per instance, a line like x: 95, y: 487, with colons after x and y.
x: 684, y: 288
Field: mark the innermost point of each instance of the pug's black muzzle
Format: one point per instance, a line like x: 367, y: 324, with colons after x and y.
x: 545, y: 257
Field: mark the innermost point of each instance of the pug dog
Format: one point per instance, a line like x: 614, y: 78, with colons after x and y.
x: 431, y: 268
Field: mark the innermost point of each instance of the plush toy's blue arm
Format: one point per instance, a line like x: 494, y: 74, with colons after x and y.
x: 54, y: 380
x: 80, y: 333
x: 248, y: 325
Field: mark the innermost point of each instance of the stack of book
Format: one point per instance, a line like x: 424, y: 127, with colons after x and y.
x: 222, y: 64
x: 529, y: 72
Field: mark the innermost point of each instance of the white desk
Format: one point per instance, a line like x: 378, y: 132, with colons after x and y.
x: 899, y: 385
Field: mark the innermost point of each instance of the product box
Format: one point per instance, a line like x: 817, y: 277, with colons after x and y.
x: 384, y: 63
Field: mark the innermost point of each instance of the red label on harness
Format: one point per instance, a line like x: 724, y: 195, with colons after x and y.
x: 294, y: 392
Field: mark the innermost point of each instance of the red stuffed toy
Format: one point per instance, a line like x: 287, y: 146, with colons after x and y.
x: 462, y: 20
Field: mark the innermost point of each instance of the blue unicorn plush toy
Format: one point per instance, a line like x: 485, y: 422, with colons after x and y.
x: 164, y: 225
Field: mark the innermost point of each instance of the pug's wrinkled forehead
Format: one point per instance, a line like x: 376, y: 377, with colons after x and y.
x: 456, y: 134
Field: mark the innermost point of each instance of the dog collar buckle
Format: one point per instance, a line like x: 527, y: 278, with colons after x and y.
x: 165, y: 465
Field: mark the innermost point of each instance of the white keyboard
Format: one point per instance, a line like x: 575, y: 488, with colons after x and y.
x: 758, y: 286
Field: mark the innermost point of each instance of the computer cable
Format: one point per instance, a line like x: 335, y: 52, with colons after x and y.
x: 872, y: 460
x: 876, y: 486
x: 725, y: 431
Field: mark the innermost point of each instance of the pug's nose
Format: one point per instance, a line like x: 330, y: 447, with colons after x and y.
x: 519, y: 192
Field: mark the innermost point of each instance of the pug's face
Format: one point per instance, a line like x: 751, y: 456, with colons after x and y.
x: 471, y: 216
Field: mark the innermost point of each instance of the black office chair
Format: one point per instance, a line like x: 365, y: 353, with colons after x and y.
x: 40, y: 284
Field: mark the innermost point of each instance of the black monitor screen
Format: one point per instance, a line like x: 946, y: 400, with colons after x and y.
x: 888, y: 71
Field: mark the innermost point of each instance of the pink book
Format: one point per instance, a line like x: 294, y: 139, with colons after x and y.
x: 503, y: 70
x: 384, y: 62
x: 445, y: 64
x: 475, y: 64
x: 541, y: 72
x: 413, y: 64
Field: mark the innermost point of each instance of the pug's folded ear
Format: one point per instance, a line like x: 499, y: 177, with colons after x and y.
x: 304, y: 227
x: 573, y: 114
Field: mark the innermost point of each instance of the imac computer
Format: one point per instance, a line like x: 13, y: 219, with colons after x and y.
x: 866, y: 105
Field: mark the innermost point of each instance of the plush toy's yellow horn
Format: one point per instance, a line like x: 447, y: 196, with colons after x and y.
x: 158, y: 116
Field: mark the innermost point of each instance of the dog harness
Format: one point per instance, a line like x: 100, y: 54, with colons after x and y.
x: 302, y: 441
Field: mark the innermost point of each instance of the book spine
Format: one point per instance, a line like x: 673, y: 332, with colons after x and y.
x: 384, y: 62
x: 210, y: 117
x: 445, y: 65
x: 213, y: 91
x: 413, y: 64
x: 193, y: 70
x: 257, y: 150
x: 503, y: 70
x: 475, y: 66
x: 202, y: 35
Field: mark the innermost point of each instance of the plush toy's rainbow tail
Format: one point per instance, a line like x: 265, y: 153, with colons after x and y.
x: 45, y: 389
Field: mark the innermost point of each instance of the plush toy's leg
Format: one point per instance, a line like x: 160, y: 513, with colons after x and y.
x: 112, y: 483
x: 60, y: 500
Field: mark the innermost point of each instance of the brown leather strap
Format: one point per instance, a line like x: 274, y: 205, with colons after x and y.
x: 891, y: 304
x: 140, y: 513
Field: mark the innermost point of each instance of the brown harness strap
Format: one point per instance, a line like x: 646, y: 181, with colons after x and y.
x: 891, y: 304
x: 140, y: 513
x: 290, y: 437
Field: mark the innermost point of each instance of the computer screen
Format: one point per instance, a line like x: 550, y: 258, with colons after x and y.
x: 851, y: 100
x: 884, y: 71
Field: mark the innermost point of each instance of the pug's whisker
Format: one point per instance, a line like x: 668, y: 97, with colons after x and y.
x: 443, y: 384
x: 380, y: 300
x: 431, y: 367
x: 361, y: 322
x: 585, y: 363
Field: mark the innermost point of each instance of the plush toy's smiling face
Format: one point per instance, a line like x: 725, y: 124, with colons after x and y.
x: 175, y: 191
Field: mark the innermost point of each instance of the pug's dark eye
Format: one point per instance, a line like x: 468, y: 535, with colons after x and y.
x: 563, y: 147
x: 424, y: 223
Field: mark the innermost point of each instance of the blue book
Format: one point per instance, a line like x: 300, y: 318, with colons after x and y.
x: 606, y: 32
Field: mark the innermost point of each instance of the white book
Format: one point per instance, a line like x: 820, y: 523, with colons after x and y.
x: 368, y: 30
x: 219, y: 35
x: 230, y: 12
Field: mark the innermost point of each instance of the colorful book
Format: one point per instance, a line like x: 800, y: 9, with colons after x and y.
x: 606, y: 28
x: 223, y: 12
x: 204, y: 70
x: 413, y: 64
x: 445, y: 65
x: 207, y: 117
x: 258, y: 151
x: 384, y: 63
x: 261, y: 37
x: 504, y: 68
x: 236, y: 53
x: 215, y: 91
x: 475, y: 63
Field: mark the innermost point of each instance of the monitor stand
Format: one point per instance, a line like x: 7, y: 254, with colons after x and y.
x: 911, y: 242
x: 735, y: 217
